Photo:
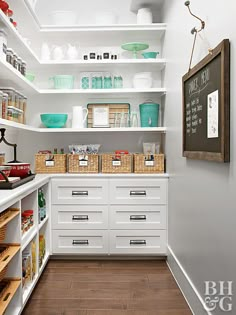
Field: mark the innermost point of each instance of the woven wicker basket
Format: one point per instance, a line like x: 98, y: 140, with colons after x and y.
x: 116, y: 163
x: 56, y: 165
x: 3, y: 231
x: 143, y: 164
x: 78, y: 163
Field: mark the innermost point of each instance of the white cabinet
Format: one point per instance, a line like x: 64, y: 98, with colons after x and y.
x: 83, y: 191
x: 137, y: 242
x: 136, y: 217
x: 80, y: 242
x: 138, y: 191
x: 80, y: 217
x: 116, y: 215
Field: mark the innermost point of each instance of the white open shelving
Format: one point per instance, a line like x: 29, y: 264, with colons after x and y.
x: 13, y: 124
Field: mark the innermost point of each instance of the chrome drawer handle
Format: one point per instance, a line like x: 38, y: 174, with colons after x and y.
x: 137, y: 242
x: 80, y: 242
x: 137, y: 217
x: 80, y: 217
x: 79, y: 193
x: 138, y: 193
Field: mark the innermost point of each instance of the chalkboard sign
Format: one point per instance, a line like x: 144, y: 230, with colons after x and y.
x: 206, y: 92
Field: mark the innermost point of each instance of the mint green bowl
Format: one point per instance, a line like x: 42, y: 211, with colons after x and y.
x: 30, y: 76
x: 150, y: 54
x: 54, y: 120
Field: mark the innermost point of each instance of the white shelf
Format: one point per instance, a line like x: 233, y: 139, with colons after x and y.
x: 27, y: 237
x: 9, y: 76
x: 42, y: 223
x: 27, y: 291
x: 102, y: 91
x: 89, y: 65
x: 137, y: 4
x: 12, y: 124
x: 16, y: 41
x: 156, y: 27
x: 46, y: 258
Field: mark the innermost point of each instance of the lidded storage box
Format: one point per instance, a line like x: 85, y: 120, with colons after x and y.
x: 50, y: 163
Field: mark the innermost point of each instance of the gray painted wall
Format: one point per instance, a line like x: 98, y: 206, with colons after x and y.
x: 202, y: 195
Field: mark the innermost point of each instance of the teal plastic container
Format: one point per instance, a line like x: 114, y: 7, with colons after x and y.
x: 149, y: 114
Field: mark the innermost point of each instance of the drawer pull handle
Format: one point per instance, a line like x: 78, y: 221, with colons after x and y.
x: 137, y: 217
x: 79, y: 193
x: 138, y: 193
x: 137, y: 242
x: 80, y: 217
x: 80, y: 242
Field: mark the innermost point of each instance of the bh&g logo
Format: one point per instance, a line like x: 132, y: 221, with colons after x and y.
x: 218, y: 294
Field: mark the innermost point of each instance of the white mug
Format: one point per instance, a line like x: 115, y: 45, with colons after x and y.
x: 77, y: 117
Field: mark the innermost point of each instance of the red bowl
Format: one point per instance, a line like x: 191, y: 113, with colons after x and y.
x: 19, y: 169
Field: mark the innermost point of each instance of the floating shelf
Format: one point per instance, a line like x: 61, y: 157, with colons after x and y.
x: 12, y: 124
x: 89, y: 65
x: 12, y: 77
x: 102, y: 91
x: 16, y: 41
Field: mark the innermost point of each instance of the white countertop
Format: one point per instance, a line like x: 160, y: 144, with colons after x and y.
x: 41, y: 179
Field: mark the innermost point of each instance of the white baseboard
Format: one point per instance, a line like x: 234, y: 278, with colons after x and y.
x: 190, y: 293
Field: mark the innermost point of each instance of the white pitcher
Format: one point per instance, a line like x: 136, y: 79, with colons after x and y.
x: 72, y: 52
x: 78, y: 117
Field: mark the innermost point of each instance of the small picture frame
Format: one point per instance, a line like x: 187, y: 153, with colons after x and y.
x: 101, y: 117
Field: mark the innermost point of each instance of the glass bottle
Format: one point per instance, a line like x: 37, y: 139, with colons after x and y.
x: 134, y: 119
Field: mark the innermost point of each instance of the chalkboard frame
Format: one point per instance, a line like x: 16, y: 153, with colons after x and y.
x: 222, y: 50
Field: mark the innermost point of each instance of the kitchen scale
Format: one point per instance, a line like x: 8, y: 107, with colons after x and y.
x: 8, y: 184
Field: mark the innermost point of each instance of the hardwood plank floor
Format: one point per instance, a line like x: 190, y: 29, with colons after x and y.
x: 143, y: 287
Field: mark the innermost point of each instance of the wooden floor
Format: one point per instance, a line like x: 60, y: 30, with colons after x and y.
x: 107, y: 288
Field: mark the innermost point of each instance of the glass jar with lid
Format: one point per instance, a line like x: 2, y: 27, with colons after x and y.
x: 15, y: 62
x: 11, y: 95
x: 23, y: 68
x: 9, y: 57
x: 4, y: 105
x: 19, y: 64
x: 3, y: 44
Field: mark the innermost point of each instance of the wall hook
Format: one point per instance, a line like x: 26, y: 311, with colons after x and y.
x: 195, y: 30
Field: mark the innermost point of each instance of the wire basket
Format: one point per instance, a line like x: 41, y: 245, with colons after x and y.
x: 149, y: 163
x: 83, y: 163
x: 116, y: 163
x: 55, y: 163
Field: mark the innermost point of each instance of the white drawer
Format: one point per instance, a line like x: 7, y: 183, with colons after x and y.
x: 138, y: 191
x: 80, y: 191
x: 79, y: 242
x: 138, y: 242
x: 79, y: 217
x: 138, y: 217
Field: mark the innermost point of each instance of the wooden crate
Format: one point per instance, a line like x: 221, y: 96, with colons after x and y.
x: 113, y: 109
x: 56, y: 163
x: 144, y: 164
x: 6, y: 256
x: 83, y: 163
x: 116, y: 163
x: 8, y: 293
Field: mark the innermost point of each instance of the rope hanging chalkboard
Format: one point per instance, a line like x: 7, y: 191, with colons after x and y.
x: 206, y: 101
x: 195, y: 31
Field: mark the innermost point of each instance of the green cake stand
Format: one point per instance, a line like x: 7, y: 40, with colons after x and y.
x: 135, y: 47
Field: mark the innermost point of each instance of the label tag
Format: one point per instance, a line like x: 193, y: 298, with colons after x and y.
x: 116, y: 163
x: 83, y: 163
x: 149, y: 163
x: 49, y: 163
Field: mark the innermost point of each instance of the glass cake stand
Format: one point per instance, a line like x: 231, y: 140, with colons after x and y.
x: 135, y: 47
